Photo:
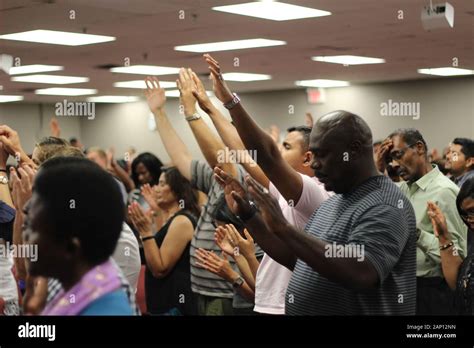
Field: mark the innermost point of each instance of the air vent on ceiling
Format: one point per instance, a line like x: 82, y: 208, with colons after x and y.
x: 333, y: 48
x: 107, y: 66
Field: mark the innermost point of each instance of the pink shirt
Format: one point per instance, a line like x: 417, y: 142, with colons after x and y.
x: 273, y: 278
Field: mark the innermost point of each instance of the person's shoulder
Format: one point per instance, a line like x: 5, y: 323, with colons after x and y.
x: 112, y: 303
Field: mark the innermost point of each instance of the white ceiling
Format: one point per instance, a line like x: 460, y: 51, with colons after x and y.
x: 147, y: 31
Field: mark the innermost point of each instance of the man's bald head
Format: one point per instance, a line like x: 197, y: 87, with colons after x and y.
x: 341, y: 143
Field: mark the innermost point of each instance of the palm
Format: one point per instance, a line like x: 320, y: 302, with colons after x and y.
x: 156, y: 99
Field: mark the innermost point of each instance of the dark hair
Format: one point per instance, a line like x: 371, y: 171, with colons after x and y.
x: 183, y: 190
x: 72, y: 140
x: 83, y: 201
x: 305, y: 131
x: 52, y: 141
x: 467, y: 146
x: 224, y: 214
x: 467, y: 191
x: 376, y: 143
x: 410, y: 136
x: 151, y: 163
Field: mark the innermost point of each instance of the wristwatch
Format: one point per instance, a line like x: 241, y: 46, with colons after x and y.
x: 238, y: 282
x: 233, y: 102
x: 3, y: 179
x: 193, y: 117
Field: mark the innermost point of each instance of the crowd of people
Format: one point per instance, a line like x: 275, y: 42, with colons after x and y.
x: 327, y: 222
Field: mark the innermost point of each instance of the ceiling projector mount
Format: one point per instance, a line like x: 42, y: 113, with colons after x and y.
x: 437, y: 16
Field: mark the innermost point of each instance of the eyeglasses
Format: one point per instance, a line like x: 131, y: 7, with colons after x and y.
x: 397, y: 155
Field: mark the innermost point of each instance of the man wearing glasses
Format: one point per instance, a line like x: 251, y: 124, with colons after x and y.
x: 406, y: 150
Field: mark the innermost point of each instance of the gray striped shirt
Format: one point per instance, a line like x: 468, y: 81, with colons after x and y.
x: 377, y: 216
x: 202, y: 281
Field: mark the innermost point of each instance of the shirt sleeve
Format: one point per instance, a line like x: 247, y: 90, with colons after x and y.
x: 201, y: 175
x: 383, y: 232
x: 312, y: 196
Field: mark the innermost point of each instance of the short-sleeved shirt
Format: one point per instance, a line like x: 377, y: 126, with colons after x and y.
x: 379, y: 220
x: 272, y: 278
x: 204, y: 282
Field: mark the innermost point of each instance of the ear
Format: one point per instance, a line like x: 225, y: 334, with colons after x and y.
x: 470, y: 163
x: 421, y: 149
x: 307, y: 158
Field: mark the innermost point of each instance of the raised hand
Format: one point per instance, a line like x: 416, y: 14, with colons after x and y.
x: 382, y: 154
x: 222, y: 241
x: 215, y: 264
x: 438, y: 220
x: 244, y: 246
x: 235, y: 195
x: 308, y: 120
x: 21, y: 185
x: 3, y: 156
x: 54, y: 127
x: 155, y: 95
x: 221, y: 90
x: 186, y: 86
x: 142, y: 222
x: 150, y: 197
x: 200, y: 94
x: 11, y: 141
x: 267, y: 204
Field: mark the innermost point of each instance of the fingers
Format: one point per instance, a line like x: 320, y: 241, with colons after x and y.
x: 248, y: 236
x: 233, y: 233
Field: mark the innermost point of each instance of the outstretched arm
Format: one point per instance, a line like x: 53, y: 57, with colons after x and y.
x: 174, y: 146
x: 287, y: 180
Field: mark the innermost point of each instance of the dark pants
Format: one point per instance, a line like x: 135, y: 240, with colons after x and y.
x: 210, y: 306
x: 434, y: 297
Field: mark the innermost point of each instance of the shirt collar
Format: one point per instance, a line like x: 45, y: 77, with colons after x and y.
x: 426, y: 179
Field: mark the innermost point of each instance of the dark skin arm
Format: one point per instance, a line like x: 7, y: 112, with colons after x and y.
x: 287, y: 180
x: 348, y: 272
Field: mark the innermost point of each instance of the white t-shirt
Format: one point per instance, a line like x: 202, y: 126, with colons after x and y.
x: 273, y: 278
x: 127, y: 256
x: 8, y: 288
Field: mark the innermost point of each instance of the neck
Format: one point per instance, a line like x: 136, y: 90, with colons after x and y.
x: 170, y: 210
x: 72, y: 277
x: 427, y: 167
x: 365, y: 172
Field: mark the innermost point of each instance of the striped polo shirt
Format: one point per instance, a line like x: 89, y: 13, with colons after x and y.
x: 378, y: 218
x: 202, y: 281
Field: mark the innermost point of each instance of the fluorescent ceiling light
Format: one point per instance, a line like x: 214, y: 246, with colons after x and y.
x: 322, y: 83
x: 65, y: 91
x: 10, y: 98
x: 112, y: 99
x: 274, y: 10
x: 50, y: 79
x: 175, y: 93
x: 245, y: 77
x: 348, y: 60
x: 229, y: 45
x: 142, y: 85
x: 57, y: 37
x: 146, y: 70
x: 34, y: 68
x: 446, y: 71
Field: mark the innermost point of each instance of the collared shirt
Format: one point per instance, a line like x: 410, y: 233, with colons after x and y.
x: 437, y: 188
x: 460, y: 180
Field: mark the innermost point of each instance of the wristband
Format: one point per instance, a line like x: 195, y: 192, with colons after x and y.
x: 253, y: 211
x: 144, y: 239
x: 233, y: 102
x: 446, y: 246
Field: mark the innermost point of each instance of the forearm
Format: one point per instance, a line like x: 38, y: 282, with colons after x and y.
x: 153, y: 258
x: 450, y: 264
x: 174, y: 146
x: 274, y: 246
x: 231, y: 139
x: 255, y: 138
x: 210, y: 146
x: 123, y: 177
x: 17, y: 239
x: 244, y: 290
x: 252, y: 264
x: 245, y: 271
x: 348, y: 272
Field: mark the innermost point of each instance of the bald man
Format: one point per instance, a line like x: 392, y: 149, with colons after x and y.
x: 357, y: 255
